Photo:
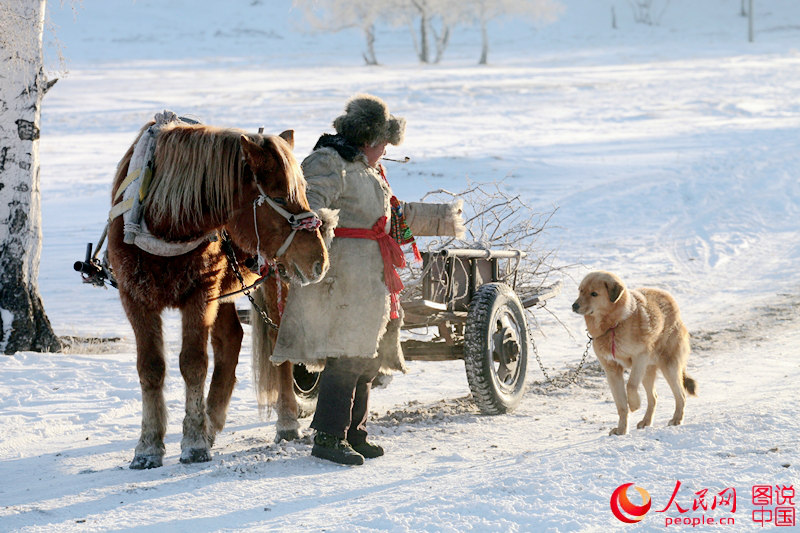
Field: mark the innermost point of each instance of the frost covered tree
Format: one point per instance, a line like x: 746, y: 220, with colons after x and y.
x: 23, y: 322
x: 483, y: 11
x: 430, y: 22
x: 331, y: 16
x: 647, y: 11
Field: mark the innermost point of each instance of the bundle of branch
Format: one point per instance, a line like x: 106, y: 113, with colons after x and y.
x: 494, y: 219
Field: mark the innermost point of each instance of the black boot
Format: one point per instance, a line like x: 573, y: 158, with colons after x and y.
x: 368, y: 450
x: 333, y: 448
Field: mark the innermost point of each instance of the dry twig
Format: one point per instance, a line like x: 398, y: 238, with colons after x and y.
x: 494, y: 219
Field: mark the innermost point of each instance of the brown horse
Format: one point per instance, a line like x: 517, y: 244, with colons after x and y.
x: 206, y: 179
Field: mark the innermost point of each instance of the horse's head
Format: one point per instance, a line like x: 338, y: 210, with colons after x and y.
x: 275, y: 219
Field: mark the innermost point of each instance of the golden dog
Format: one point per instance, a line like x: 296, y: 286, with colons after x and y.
x: 640, y: 330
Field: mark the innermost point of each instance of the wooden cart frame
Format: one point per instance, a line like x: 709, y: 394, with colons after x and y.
x: 469, y: 310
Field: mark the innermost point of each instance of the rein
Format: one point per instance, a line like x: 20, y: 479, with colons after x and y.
x: 250, y: 287
x: 227, y: 246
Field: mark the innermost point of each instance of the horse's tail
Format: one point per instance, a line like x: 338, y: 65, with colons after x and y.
x: 265, y: 374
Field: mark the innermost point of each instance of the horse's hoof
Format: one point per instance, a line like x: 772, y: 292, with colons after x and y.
x: 287, y: 434
x: 195, y: 455
x: 144, y: 462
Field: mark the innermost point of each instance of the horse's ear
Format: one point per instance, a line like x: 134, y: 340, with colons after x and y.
x: 288, y: 136
x: 255, y: 155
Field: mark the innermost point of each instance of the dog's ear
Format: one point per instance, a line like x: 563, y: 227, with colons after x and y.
x: 615, y: 290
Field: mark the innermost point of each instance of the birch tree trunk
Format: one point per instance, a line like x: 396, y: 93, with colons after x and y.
x: 424, y: 47
x: 23, y: 322
x: 484, y: 43
x: 369, y: 55
x: 440, y: 40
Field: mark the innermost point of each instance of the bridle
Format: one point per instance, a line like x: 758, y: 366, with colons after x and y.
x: 307, y: 220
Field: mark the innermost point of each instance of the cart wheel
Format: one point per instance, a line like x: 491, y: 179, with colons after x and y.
x: 306, y: 390
x: 496, y: 348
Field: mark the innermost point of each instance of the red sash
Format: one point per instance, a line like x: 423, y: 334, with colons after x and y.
x: 392, y: 257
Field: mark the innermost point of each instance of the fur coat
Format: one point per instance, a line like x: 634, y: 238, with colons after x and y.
x: 347, y: 313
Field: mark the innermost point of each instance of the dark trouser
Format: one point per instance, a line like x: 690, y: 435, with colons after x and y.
x: 342, y: 405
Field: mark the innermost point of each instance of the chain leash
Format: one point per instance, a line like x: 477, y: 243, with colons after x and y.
x: 575, y: 375
x: 228, y: 247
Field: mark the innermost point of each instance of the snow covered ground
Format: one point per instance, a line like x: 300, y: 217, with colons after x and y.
x: 671, y: 154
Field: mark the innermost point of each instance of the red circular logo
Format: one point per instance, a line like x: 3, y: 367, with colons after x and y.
x: 624, y: 509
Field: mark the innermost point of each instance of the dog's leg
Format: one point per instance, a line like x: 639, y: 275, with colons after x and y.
x: 617, y: 383
x: 649, y: 382
x: 674, y: 375
x: 634, y: 380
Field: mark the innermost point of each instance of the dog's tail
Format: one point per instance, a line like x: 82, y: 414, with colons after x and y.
x: 689, y: 384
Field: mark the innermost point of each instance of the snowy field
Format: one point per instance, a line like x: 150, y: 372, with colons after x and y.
x: 671, y: 153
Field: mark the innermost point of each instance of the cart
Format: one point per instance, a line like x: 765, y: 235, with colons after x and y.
x: 468, y: 300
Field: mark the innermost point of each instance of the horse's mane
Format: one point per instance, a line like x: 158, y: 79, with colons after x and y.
x: 200, y: 169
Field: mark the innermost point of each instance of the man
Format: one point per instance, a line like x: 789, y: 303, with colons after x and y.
x: 350, y: 321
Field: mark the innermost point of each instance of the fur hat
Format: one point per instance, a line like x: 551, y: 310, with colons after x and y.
x: 366, y: 120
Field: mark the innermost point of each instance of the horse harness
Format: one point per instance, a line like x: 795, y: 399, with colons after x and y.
x: 134, y: 188
x: 308, y: 221
x: 227, y: 247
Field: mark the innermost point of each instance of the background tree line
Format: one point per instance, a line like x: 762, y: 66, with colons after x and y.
x: 430, y: 22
